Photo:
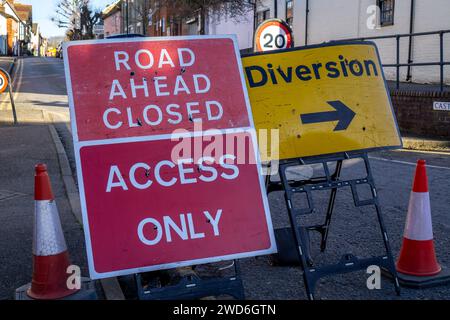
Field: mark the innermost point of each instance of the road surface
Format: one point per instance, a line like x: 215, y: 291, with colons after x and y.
x: 41, y: 86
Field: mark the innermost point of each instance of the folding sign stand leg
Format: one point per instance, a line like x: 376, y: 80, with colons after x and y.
x: 333, y: 182
x: 193, y: 287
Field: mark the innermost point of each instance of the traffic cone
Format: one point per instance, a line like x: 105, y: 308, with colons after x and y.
x: 417, y: 255
x: 50, y: 256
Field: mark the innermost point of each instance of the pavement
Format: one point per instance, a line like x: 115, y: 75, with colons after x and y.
x: 41, y: 100
x: 38, y: 85
x: 22, y: 147
x: 426, y: 144
x: 36, y: 92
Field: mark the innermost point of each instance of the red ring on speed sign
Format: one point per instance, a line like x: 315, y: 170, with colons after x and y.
x: 3, y: 81
x: 267, y: 36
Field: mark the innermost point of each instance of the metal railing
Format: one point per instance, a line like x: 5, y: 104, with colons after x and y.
x: 441, y: 63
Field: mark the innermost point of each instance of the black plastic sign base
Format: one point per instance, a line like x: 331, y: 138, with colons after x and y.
x: 87, y: 292
x: 414, y: 282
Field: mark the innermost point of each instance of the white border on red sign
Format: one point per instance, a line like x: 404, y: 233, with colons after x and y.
x: 77, y: 145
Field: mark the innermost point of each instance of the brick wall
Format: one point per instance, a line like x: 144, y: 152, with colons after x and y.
x: 415, y: 114
x: 113, y: 24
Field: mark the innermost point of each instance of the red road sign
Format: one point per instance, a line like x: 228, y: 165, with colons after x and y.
x: 158, y: 188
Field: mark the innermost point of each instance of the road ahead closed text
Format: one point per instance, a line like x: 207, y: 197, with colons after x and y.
x: 155, y: 90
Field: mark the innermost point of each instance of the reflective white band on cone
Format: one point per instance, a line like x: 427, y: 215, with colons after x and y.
x: 418, y: 221
x: 48, y: 235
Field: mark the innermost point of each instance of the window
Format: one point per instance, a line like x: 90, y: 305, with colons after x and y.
x: 261, y: 16
x: 386, y: 12
x: 290, y: 12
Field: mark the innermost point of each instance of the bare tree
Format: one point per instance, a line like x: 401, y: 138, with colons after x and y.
x: 77, y: 17
x: 188, y: 8
x: 139, y: 11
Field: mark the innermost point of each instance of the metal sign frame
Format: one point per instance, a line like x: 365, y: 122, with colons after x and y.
x: 296, y: 245
x: 193, y: 287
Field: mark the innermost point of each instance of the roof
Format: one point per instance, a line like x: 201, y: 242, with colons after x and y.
x: 112, y: 8
x: 24, y: 11
x: 12, y: 5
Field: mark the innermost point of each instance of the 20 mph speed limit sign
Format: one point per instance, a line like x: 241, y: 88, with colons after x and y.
x: 273, y: 34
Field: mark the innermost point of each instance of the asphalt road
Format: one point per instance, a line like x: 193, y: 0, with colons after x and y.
x: 353, y: 230
x: 39, y: 84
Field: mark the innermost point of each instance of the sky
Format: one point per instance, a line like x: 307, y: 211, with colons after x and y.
x: 43, y: 10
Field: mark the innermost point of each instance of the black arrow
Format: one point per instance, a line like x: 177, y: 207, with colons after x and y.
x: 343, y: 114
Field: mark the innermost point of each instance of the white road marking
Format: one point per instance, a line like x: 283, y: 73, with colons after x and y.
x: 408, y: 163
x: 17, y: 81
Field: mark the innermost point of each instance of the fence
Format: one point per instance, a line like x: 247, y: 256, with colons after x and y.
x: 441, y: 63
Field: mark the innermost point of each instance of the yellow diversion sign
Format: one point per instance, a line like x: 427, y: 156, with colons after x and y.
x: 323, y: 99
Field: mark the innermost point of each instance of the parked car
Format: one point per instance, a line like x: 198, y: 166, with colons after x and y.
x: 125, y: 35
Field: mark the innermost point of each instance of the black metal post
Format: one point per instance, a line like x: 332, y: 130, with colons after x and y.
x: 126, y: 18
x: 306, y: 22
x: 336, y: 176
x: 13, y: 105
x: 398, y: 62
x: 145, y: 19
x: 411, y: 30
x: 441, y: 44
x: 253, y: 3
x: 11, y: 96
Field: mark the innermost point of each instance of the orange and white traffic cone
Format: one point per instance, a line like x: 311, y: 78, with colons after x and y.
x: 50, y: 256
x: 417, y: 255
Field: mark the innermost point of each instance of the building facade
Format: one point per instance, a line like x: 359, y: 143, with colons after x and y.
x: 35, y: 42
x: 318, y: 21
x: 3, y: 34
x: 112, y: 19
x: 43, y: 45
x: 135, y: 16
x: 25, y: 14
x: 335, y: 20
x: 150, y: 18
x: 15, y: 27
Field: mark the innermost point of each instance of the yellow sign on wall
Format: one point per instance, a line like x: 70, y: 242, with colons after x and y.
x: 323, y: 99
